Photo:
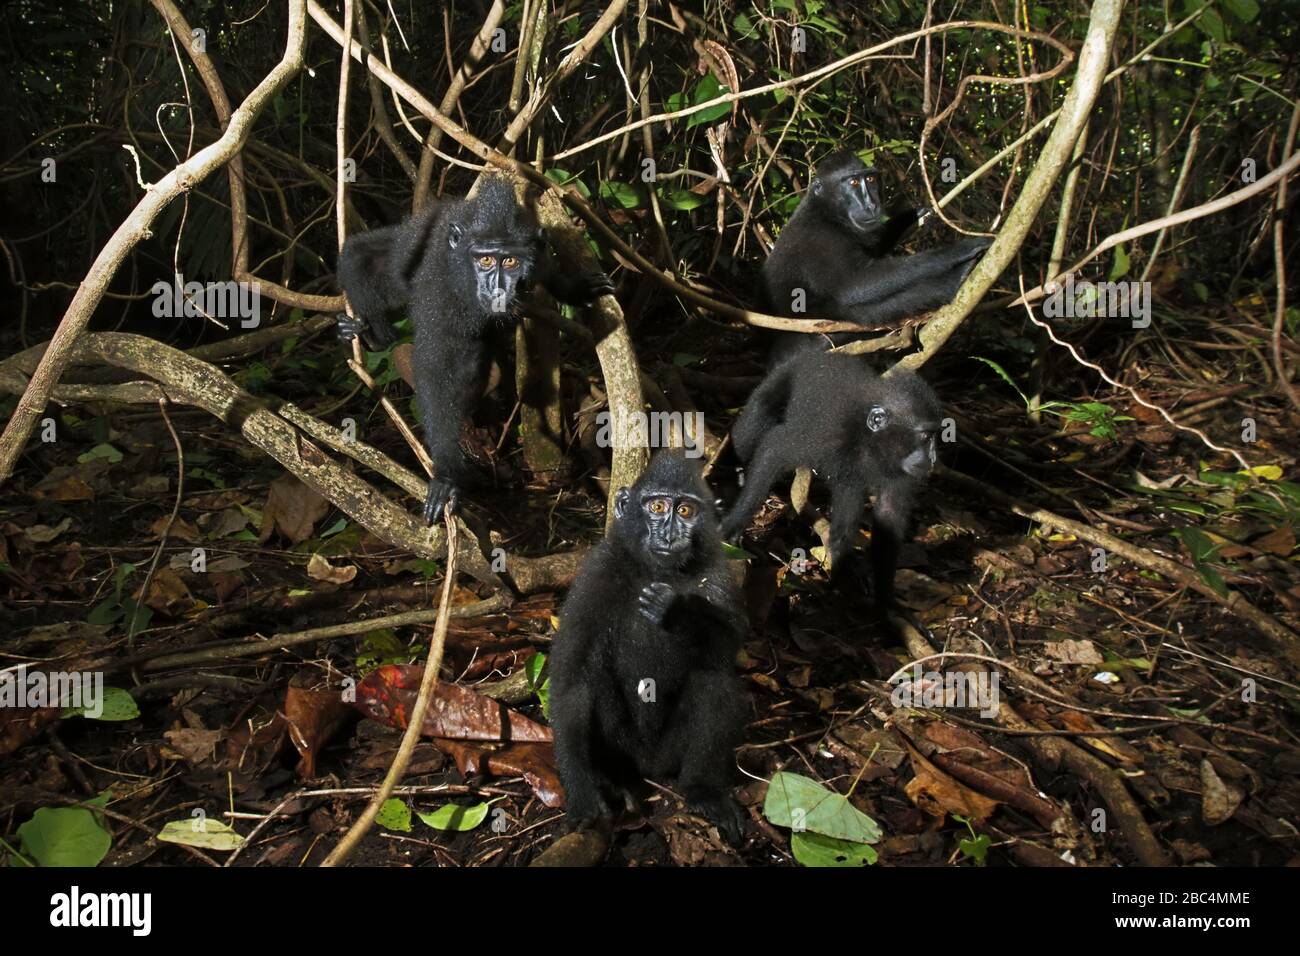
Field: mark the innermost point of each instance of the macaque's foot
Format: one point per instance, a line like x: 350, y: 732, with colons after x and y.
x: 375, y: 336
x: 442, y: 495
x: 720, y: 810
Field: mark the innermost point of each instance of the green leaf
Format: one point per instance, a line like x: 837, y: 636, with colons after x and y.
x: 744, y: 26
x: 204, y: 833
x: 100, y: 452
x: 452, y: 816
x: 1212, y: 25
x: 540, y: 686
x: 1198, y: 543
x: 1119, y: 269
x: 1003, y: 375
x: 793, y: 799
x: 1202, y: 548
x: 565, y: 178
x: 1243, y: 10
x: 117, y: 704
x: 533, y: 668
x: 682, y: 199
x: 976, y: 849
x: 735, y: 553
x: 107, y: 611
x: 1213, y: 578
x: 64, y: 836
x: 381, y: 646
x: 394, y: 815
x: 813, y: 849
x: 620, y: 194
x: 137, y: 615
x: 824, y: 25
x: 335, y: 528
x: 708, y: 88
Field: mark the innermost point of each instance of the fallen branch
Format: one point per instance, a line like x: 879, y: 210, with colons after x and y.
x: 415, y: 722
x: 1075, y: 111
x: 185, y: 379
x: 1284, y: 640
x: 278, y: 642
x: 1052, y: 751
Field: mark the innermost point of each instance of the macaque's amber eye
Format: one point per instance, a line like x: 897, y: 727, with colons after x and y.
x: 487, y: 262
x: 658, y: 506
x: 510, y: 262
x: 685, y: 510
x: 871, y: 179
x: 855, y: 181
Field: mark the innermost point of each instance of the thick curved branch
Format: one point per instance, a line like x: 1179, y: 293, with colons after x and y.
x: 133, y: 230
x: 1102, y: 25
x: 188, y: 380
x: 1276, y: 177
x: 180, y: 27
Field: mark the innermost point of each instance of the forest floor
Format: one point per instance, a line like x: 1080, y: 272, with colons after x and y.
x: 1124, y: 701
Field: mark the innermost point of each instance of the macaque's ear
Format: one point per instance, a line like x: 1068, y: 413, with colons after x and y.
x: 621, y: 502
x: 877, y: 418
x: 454, y: 235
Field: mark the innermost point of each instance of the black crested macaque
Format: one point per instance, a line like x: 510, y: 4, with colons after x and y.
x: 643, y: 671
x: 860, y: 433
x: 458, y: 266
x: 831, y: 261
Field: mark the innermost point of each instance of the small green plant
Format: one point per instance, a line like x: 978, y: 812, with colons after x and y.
x: 976, y: 847
x: 1098, y: 416
x: 541, y: 685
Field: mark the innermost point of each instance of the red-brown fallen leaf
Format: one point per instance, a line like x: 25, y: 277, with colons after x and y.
x: 70, y: 488
x: 313, y: 714
x: 535, y: 762
x: 178, y: 530
x: 168, y: 594
x: 225, y: 584
x: 938, y: 794
x: 1279, y: 541
x: 250, y: 750
x: 293, y: 509
x: 388, y: 695
x: 690, y: 844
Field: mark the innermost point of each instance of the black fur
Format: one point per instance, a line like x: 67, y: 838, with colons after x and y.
x: 835, y: 249
x: 859, y: 433
x: 458, y: 266
x: 655, y: 600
